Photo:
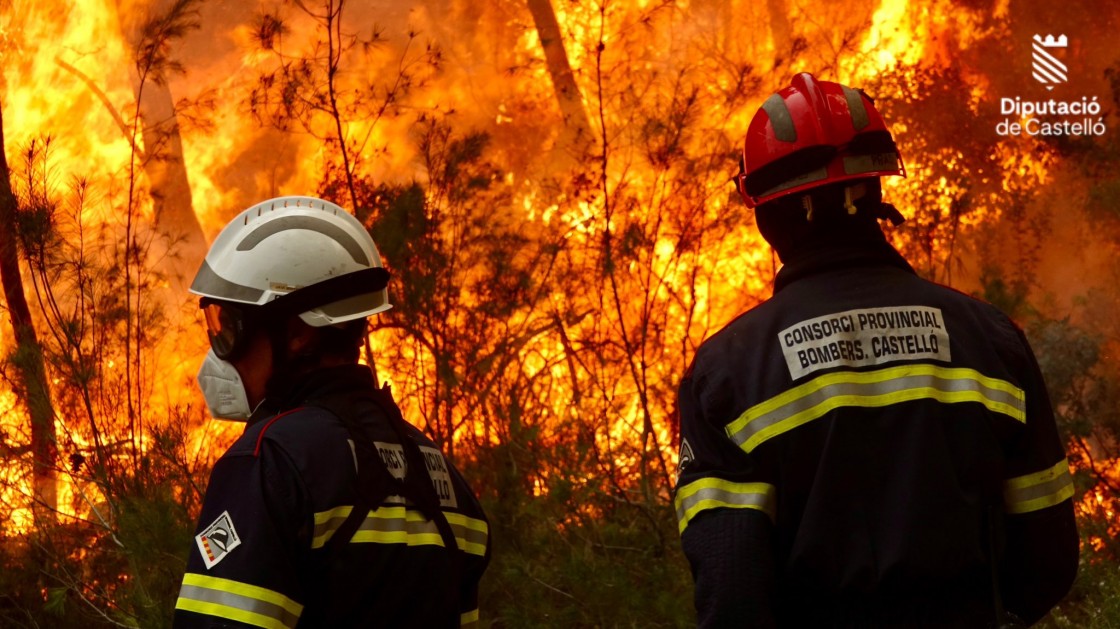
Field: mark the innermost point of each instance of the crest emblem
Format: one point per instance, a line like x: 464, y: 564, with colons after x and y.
x: 217, y: 540
x: 685, y: 456
x: 1047, y: 69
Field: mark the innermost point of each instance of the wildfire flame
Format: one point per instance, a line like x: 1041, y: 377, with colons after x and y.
x: 71, y: 73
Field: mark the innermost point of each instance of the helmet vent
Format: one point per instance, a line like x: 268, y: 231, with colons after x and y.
x: 309, y: 223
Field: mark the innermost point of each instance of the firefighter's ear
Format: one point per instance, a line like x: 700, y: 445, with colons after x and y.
x: 302, y: 338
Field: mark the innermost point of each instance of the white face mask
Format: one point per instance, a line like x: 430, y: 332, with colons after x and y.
x: 223, y: 389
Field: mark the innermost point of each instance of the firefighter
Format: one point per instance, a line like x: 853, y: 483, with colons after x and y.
x: 865, y: 448
x: 330, y: 510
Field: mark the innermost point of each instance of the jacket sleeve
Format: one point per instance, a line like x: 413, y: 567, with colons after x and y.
x: 241, y: 570
x: 472, y: 530
x: 1041, y: 553
x: 725, y: 509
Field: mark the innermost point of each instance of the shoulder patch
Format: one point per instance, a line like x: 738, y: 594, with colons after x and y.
x: 216, y: 541
x: 685, y: 456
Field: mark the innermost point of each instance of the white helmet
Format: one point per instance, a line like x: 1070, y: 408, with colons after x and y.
x: 299, y: 252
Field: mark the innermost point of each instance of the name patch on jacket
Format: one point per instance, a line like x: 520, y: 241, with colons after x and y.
x: 393, y: 456
x: 868, y: 336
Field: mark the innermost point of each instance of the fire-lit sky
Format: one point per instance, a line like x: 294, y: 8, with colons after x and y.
x: 68, y: 72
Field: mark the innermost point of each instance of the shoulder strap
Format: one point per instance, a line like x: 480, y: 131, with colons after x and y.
x: 416, y: 487
x: 375, y: 482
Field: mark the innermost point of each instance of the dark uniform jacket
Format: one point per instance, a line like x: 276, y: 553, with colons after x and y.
x: 264, y: 553
x: 855, y: 448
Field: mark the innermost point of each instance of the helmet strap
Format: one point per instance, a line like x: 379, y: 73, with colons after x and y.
x: 851, y: 194
x: 891, y: 213
x: 321, y: 293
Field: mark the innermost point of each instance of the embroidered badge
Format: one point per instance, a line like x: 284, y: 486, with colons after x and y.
x: 685, y: 457
x: 217, y: 540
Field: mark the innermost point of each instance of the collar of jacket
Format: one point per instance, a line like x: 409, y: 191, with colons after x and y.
x: 839, y: 256
x: 317, y: 384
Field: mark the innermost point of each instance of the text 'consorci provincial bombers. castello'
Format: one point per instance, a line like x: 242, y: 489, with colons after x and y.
x: 869, y: 336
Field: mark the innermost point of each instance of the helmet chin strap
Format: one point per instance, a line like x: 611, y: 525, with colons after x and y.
x: 891, y: 213
x: 852, y: 194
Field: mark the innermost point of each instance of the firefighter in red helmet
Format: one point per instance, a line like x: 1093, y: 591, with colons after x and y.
x: 866, y: 448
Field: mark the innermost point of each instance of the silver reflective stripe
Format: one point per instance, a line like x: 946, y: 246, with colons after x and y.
x: 394, y: 524
x: 883, y: 387
x: 1040, y: 490
x: 207, y: 282
x: 397, y: 520
x: 326, y: 523
x: 311, y: 223
x: 780, y: 118
x: 470, y: 534
x: 856, y: 107
x: 714, y: 493
x: 233, y: 600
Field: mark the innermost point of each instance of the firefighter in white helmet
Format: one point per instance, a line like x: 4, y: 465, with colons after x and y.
x: 330, y: 510
x: 866, y: 448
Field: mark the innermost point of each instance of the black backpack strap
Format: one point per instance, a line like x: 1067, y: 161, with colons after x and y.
x: 376, y: 482
x: 419, y: 486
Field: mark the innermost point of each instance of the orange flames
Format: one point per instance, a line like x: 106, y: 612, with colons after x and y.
x: 69, y: 73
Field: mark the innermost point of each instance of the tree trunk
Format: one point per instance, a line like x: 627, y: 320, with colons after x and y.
x: 576, y: 125
x: 779, y: 28
x: 163, y: 156
x: 31, y: 375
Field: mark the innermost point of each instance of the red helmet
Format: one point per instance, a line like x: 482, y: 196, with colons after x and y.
x: 810, y: 134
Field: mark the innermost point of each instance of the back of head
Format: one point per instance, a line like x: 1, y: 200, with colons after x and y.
x: 811, y: 161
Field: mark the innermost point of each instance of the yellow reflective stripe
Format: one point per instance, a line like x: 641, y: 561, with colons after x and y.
x: 230, y: 613
x: 1039, y: 490
x: 473, y: 524
x: 326, y: 523
x: 467, y: 618
x: 234, y: 600
x: 397, y: 525
x: 883, y: 387
x: 471, y: 534
x: 715, y: 493
x: 393, y: 524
